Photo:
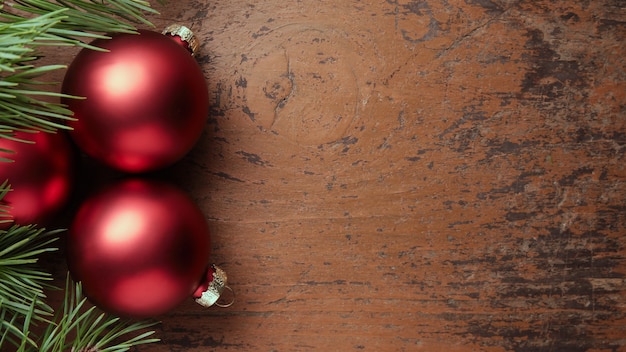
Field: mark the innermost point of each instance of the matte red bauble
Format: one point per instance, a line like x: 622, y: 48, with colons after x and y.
x: 146, y: 101
x: 40, y: 176
x: 139, y: 247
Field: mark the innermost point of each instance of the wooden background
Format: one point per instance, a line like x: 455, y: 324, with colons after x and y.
x: 410, y: 175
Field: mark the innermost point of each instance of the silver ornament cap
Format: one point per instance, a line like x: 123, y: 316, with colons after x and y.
x: 213, y: 293
x: 185, y: 34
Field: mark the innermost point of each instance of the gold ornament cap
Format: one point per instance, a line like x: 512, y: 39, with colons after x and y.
x: 213, y: 293
x: 185, y: 34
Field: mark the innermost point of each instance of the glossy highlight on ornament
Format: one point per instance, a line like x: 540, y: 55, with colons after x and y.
x: 146, y: 101
x: 140, y: 247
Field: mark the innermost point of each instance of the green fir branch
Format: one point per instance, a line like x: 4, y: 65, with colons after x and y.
x: 26, y: 102
x: 93, y: 330
x: 10, y: 328
x: 84, y: 19
x: 20, y: 109
x: 22, y: 284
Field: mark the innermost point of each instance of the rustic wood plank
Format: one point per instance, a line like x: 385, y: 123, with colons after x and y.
x: 410, y: 175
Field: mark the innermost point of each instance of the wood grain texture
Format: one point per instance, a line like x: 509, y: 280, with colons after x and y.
x: 410, y: 175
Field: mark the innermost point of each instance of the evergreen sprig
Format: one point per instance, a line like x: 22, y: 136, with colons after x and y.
x: 92, y: 331
x: 21, y: 106
x: 21, y: 282
x: 26, y: 102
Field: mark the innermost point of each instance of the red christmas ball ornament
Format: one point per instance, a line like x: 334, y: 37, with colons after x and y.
x: 40, y: 173
x: 139, y: 247
x: 146, y: 101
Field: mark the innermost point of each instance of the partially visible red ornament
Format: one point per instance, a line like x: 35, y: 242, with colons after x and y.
x: 40, y: 174
x: 139, y: 247
x: 146, y: 101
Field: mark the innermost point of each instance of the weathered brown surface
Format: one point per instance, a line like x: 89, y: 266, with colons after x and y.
x: 410, y: 175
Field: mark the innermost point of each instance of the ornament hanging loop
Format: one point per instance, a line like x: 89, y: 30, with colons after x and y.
x: 228, y: 303
x: 211, y: 291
